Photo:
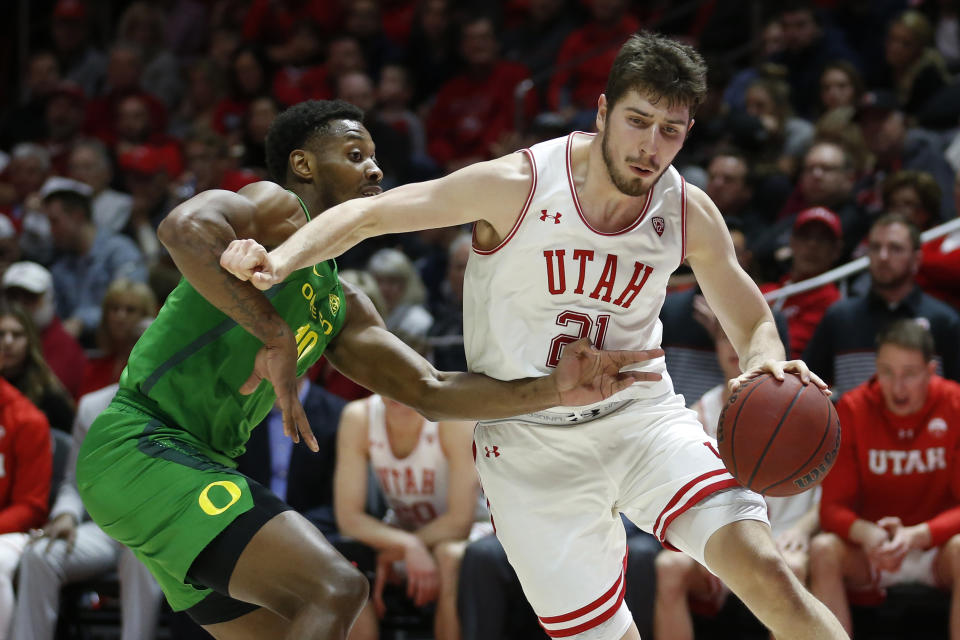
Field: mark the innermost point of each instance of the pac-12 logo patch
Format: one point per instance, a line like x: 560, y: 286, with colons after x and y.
x: 658, y: 225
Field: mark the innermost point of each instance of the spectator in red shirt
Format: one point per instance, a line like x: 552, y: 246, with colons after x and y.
x: 584, y: 61
x: 25, y: 474
x: 940, y: 266
x: 123, y: 80
x: 815, y: 243
x: 474, y: 110
x: 31, y: 286
x: 890, y: 510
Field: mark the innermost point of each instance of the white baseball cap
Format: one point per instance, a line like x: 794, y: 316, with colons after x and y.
x: 27, y: 275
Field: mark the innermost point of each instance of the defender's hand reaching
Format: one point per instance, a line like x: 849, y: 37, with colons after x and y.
x: 586, y: 374
x: 248, y: 260
x: 277, y: 363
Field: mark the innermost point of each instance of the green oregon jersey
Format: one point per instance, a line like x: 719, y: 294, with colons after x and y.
x: 188, y: 366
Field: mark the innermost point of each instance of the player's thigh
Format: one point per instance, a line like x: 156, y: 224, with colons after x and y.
x: 670, y: 469
x: 254, y: 625
x: 552, y: 506
x: 288, y: 564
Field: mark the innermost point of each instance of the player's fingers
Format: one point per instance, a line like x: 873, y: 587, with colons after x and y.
x: 290, y: 427
x: 623, y: 358
x: 776, y: 369
x: 263, y: 280
x: 799, y: 368
x: 303, y: 425
x: 581, y: 347
x: 251, y: 383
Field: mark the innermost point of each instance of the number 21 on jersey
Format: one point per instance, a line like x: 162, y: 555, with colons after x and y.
x: 581, y: 325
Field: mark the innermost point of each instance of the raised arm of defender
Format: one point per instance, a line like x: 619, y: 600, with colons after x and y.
x: 492, y: 192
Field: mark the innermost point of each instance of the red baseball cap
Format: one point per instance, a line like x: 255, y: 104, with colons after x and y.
x: 147, y: 160
x: 822, y: 215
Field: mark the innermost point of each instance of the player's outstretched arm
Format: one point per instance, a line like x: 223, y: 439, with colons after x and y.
x: 369, y: 354
x: 734, y: 297
x: 494, y: 191
x: 196, y: 233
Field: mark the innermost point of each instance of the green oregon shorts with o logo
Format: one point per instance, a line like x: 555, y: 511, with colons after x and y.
x: 158, y: 491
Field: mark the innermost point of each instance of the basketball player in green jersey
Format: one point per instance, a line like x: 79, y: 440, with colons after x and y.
x: 157, y: 470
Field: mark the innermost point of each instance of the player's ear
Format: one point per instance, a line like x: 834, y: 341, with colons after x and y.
x: 300, y: 164
x: 601, y: 111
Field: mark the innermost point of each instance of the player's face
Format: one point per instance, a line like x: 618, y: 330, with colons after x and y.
x: 893, y: 260
x: 904, y: 378
x: 346, y: 165
x: 13, y: 345
x: 641, y: 135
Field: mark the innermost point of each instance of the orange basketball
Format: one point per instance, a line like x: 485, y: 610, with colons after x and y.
x: 778, y: 438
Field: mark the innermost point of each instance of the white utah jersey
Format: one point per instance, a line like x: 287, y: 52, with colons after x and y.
x: 416, y: 485
x: 555, y: 279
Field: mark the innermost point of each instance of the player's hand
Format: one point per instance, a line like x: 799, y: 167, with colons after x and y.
x: 277, y: 362
x: 779, y: 368
x: 63, y: 527
x: 248, y: 260
x: 586, y: 374
x: 423, y: 580
x: 384, y: 569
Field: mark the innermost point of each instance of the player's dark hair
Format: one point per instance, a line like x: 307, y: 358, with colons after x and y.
x: 70, y: 201
x: 908, y: 333
x: 658, y: 67
x: 888, y: 219
x: 300, y: 124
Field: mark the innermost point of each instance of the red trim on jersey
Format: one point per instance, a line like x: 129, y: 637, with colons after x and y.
x: 721, y: 485
x: 523, y: 212
x: 683, y: 219
x: 680, y: 493
x: 619, y: 588
x: 576, y: 198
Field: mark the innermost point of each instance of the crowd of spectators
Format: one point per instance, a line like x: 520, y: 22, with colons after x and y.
x: 830, y: 132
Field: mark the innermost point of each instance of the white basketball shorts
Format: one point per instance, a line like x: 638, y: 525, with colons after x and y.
x: 556, y: 492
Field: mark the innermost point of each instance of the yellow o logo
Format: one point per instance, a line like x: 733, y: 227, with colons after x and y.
x: 208, y: 506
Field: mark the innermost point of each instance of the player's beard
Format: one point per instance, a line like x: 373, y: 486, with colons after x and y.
x: 629, y: 186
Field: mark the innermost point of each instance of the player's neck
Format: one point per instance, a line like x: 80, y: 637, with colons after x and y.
x: 606, y: 207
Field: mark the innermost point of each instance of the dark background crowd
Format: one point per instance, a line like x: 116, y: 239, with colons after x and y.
x: 829, y: 132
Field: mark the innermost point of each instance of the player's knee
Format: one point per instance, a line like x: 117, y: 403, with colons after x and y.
x: 348, y: 592
x: 672, y: 570
x: 951, y: 553
x: 826, y: 554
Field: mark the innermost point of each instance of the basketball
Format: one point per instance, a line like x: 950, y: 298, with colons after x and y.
x: 778, y: 438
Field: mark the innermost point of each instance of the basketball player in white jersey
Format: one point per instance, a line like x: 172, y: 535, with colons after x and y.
x: 425, y: 471
x: 577, y: 237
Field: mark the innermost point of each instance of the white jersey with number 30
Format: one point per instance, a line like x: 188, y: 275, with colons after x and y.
x: 555, y: 278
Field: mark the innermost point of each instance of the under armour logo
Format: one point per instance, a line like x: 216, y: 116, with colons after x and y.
x: 658, y: 225
x: 555, y: 217
x: 495, y: 451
